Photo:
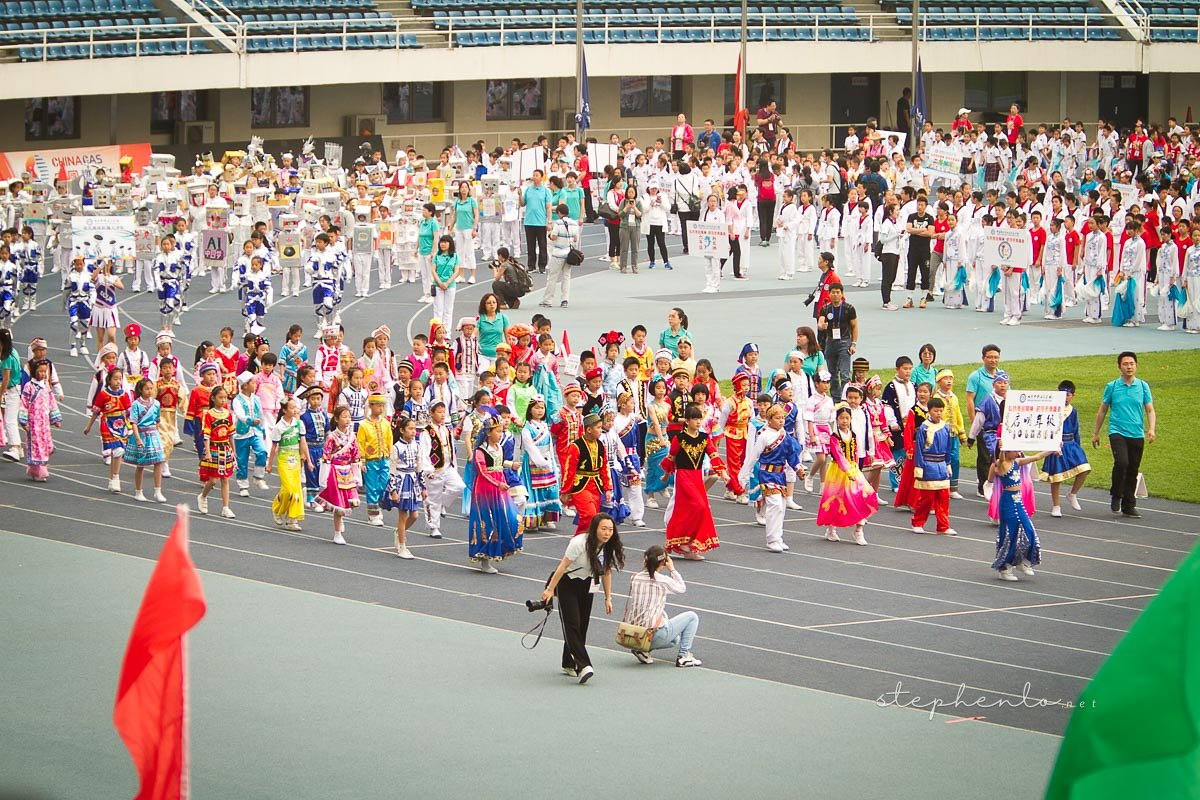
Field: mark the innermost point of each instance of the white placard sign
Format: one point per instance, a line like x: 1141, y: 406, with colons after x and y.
x: 601, y: 156
x: 116, y: 229
x: 1129, y: 194
x: 709, y: 239
x: 901, y: 135
x: 1007, y: 247
x: 943, y: 161
x: 527, y: 160
x: 1033, y: 421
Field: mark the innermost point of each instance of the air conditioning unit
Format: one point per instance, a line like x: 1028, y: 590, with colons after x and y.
x: 365, y: 124
x: 199, y: 132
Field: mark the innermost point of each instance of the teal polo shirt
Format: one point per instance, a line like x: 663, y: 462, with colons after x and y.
x: 1126, y: 402
x: 536, y: 198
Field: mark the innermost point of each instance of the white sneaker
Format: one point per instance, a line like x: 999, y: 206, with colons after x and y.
x: 83, y: 350
x: 202, y: 504
x: 916, y: 529
x: 651, y: 502
x: 688, y: 660
x: 784, y: 545
x: 882, y: 502
x: 376, y: 521
x: 114, y: 485
x: 637, y: 523
x: 261, y: 483
x: 793, y: 505
x: 338, y: 538
x: 1056, y: 511
x: 227, y: 513
x: 404, y: 553
x: 1006, y: 574
x: 730, y: 495
x: 426, y: 299
x: 585, y: 675
x: 831, y: 535
x: 956, y: 496
x: 435, y: 534
x: 159, y: 497
x: 644, y: 658
x: 141, y: 498
x: 775, y: 548
x: 243, y: 492
x: 278, y: 520
x: 760, y: 520
x: 1166, y: 327
x: 487, y: 568
x: 948, y: 532
x: 743, y: 500
x: 889, y: 306
x: 74, y: 351
x: 1073, y: 499
x: 292, y: 525
x: 858, y: 537
x: 1014, y: 322
x: 808, y: 484
x: 1027, y: 568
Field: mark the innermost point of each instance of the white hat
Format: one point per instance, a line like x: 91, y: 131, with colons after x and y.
x: 962, y: 111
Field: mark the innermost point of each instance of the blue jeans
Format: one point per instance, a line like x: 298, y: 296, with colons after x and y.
x: 681, y: 628
x: 838, y: 362
x: 243, y: 448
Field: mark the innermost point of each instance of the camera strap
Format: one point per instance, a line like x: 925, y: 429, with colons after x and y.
x: 539, y: 628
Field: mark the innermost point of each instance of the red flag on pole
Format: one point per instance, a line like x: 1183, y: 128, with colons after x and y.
x: 566, y: 344
x: 151, y: 708
x: 740, y: 115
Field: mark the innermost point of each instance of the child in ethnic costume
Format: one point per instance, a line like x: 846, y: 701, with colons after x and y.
x: 658, y: 411
x: 314, y: 423
x: 690, y: 529
x: 627, y: 427
x: 405, y: 489
x: 39, y: 413
x: 145, y: 448
x: 1017, y: 542
x: 916, y: 417
x: 931, y: 469
x: 375, y: 442
x: 343, y: 456
x: 846, y: 496
x: 168, y: 393
x: 539, y: 471
x: 288, y: 453
x: 217, y: 458
x: 494, y: 527
x: 110, y: 405
x: 773, y: 451
x: 1070, y: 462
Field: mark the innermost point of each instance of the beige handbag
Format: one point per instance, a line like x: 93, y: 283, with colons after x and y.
x: 634, y: 637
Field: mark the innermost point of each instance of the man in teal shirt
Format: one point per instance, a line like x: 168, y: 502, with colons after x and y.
x: 979, y: 387
x: 1127, y: 397
x: 536, y: 201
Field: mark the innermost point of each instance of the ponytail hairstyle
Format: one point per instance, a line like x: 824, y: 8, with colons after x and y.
x: 683, y: 320
x: 654, y: 558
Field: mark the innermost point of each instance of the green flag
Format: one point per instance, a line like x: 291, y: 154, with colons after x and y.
x: 1134, y: 733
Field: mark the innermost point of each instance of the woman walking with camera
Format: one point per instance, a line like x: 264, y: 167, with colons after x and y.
x: 590, y: 556
x: 646, y: 608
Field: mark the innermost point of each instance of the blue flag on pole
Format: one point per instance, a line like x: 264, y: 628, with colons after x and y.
x: 583, y: 117
x: 919, y: 111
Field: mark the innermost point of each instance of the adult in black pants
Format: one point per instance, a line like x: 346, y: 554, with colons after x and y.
x: 1128, y: 397
x: 764, y: 182
x: 687, y: 199
x: 536, y: 202
x: 590, y: 557
x: 920, y: 229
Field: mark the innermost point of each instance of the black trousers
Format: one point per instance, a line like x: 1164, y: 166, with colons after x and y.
x: 574, y: 611
x: 589, y: 211
x: 1127, y: 460
x: 891, y: 263
x: 983, y: 461
x: 656, y: 234
x: 614, y: 239
x: 917, y: 262
x: 735, y: 250
x: 535, y: 242
x: 684, y: 218
x: 766, y: 219
x: 508, y: 293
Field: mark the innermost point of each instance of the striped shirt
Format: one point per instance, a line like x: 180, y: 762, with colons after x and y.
x: 648, y: 598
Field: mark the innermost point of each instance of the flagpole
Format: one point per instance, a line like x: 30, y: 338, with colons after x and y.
x: 742, y: 75
x: 916, y: 11
x: 578, y: 70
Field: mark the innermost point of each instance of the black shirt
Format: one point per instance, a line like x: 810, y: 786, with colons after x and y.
x: 919, y: 245
x: 841, y: 317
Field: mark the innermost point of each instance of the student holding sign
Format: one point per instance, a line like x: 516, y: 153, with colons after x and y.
x: 1070, y: 462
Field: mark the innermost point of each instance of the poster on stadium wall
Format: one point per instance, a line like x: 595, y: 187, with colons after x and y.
x: 1007, y: 247
x: 44, y: 164
x: 943, y: 161
x: 1033, y: 421
x: 709, y: 239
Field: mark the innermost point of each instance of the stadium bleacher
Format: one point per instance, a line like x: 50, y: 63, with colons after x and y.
x: 999, y: 20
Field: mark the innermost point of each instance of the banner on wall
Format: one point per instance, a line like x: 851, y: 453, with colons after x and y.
x: 44, y: 164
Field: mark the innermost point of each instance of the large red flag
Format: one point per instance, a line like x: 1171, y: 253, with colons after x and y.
x: 740, y: 115
x: 151, y: 707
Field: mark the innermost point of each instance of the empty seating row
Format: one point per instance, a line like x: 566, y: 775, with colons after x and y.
x: 607, y: 7
x: 1175, y: 34
x: 1005, y: 33
x: 353, y: 20
x: 673, y: 35
x: 74, y: 9
x: 643, y: 17
x: 86, y: 30
x: 285, y: 44
x: 298, y: 5
x: 150, y: 47
x: 1173, y: 16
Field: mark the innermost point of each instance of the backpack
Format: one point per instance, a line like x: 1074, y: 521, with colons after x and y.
x: 521, y: 277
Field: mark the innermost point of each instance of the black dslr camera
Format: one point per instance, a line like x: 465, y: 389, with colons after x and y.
x: 540, y: 605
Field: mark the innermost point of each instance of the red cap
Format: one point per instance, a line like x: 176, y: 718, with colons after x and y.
x: 133, y: 329
x: 594, y: 372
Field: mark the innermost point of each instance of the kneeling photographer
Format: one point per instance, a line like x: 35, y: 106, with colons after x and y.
x: 590, y: 559
x: 646, y: 608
